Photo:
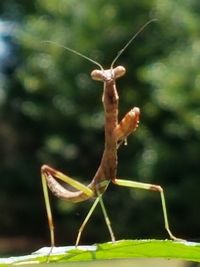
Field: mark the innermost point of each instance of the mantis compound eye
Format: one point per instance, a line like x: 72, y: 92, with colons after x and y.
x: 97, y: 75
x: 119, y: 71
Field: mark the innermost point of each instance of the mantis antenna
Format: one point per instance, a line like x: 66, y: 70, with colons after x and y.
x: 75, y: 52
x: 131, y: 40
x: 118, y: 54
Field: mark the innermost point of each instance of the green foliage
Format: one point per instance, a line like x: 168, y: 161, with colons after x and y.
x: 52, y: 113
x: 124, y: 249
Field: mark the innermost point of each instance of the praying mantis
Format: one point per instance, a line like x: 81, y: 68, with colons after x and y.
x: 116, y: 133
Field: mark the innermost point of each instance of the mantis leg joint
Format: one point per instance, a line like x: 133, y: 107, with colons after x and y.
x: 157, y: 188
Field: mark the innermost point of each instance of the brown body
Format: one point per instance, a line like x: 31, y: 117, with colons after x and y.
x: 115, y: 134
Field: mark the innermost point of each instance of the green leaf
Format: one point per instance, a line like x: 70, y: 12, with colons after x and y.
x: 123, y: 249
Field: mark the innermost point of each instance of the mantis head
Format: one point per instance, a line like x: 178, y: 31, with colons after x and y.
x: 109, y: 74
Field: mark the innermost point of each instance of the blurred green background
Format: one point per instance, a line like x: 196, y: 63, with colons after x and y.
x: 51, y: 113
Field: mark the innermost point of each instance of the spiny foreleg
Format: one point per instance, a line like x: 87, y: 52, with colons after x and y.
x: 127, y: 125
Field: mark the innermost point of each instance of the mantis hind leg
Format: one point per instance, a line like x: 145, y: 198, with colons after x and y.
x: 50, y: 174
x: 151, y: 187
x: 49, y: 213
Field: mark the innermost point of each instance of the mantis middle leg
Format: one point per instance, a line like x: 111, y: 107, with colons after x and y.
x: 105, y: 214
